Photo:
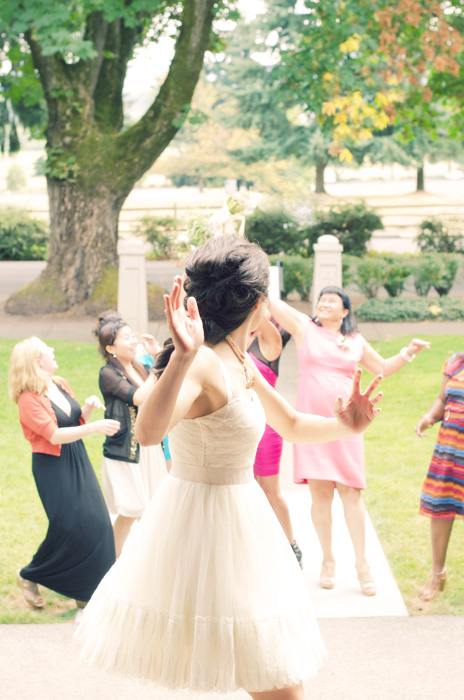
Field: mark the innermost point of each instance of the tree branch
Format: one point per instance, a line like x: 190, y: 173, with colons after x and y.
x: 137, y: 148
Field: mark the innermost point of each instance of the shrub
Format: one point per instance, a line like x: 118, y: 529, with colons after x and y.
x: 352, y: 224
x: 436, y: 238
x: 21, y: 236
x: 450, y: 268
x: 437, y: 271
x: 421, y: 309
x: 298, y: 274
x: 160, y: 232
x: 398, y: 271
x: 15, y: 178
x: 276, y: 230
x: 371, y: 274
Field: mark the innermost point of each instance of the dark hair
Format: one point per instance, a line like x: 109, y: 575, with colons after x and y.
x: 227, y: 276
x: 106, y: 329
x: 349, y: 322
x: 107, y: 326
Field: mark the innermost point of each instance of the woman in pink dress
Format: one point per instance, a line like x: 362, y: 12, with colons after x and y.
x: 265, y: 349
x: 329, y: 351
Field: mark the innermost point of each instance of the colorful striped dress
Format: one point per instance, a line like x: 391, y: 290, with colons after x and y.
x: 443, y: 490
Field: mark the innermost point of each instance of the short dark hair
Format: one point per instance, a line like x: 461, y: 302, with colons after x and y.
x: 349, y: 322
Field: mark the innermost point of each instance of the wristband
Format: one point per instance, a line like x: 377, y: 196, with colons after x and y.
x: 406, y: 356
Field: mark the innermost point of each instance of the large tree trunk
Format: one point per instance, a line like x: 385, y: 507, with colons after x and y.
x: 320, y: 168
x: 83, y: 244
x: 420, y: 179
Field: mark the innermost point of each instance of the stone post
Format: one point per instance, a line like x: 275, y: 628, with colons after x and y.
x: 132, y: 285
x: 327, y: 265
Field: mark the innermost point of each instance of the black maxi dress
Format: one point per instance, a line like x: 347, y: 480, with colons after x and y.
x: 79, y: 547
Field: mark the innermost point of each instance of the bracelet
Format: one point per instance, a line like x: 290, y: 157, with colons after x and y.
x: 406, y: 356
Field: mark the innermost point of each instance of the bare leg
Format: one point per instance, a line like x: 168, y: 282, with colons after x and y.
x: 440, y: 532
x: 121, y: 529
x: 355, y: 517
x: 271, y: 487
x: 322, y: 493
x: 294, y: 692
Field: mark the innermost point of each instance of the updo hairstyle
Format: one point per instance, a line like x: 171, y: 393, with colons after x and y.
x: 227, y: 276
x: 107, y: 326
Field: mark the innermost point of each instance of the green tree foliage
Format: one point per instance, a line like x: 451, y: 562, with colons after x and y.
x: 74, y: 57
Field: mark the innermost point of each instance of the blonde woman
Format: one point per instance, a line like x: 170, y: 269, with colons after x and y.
x: 78, y: 548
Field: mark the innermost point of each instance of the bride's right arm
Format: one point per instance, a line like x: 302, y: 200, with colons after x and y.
x: 181, y: 382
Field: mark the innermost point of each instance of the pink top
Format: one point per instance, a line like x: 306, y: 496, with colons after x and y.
x: 269, y: 451
x: 327, y: 362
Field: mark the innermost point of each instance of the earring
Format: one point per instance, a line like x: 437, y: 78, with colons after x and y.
x: 114, y: 355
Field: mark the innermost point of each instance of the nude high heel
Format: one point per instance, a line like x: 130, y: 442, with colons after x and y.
x: 434, y: 585
x: 327, y: 576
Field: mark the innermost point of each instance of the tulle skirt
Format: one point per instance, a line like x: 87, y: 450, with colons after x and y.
x: 207, y: 595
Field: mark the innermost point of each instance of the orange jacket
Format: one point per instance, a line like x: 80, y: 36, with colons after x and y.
x: 38, y: 419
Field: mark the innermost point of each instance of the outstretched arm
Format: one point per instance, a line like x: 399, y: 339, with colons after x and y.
x: 376, y: 364
x: 351, y: 417
x: 289, y: 318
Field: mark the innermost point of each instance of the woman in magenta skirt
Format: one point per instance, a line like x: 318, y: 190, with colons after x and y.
x: 267, y: 343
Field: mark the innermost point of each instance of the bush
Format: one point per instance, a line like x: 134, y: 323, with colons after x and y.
x: 371, y: 274
x: 391, y: 310
x: 352, y: 224
x: 437, y: 271
x: 276, y: 230
x: 398, y: 271
x: 450, y: 268
x: 22, y: 237
x: 298, y: 274
x: 15, y: 178
x: 436, y: 238
x: 160, y: 232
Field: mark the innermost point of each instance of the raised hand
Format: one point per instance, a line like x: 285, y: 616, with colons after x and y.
x: 416, y: 345
x: 94, y: 402
x: 150, y: 344
x: 360, y: 409
x: 186, y: 328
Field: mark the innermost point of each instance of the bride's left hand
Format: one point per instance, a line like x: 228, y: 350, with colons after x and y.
x: 360, y: 409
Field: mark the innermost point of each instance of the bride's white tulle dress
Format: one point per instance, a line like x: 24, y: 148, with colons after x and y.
x: 207, y: 594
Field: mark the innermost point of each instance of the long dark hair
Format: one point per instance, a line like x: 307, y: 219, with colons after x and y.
x: 106, y: 329
x: 349, y: 322
x: 227, y: 276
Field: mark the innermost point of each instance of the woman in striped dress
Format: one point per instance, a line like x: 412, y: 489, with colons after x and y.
x: 442, y: 495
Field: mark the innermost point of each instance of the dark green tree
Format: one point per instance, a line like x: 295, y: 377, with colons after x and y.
x: 74, y: 56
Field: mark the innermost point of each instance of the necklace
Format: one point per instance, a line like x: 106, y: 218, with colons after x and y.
x: 249, y: 382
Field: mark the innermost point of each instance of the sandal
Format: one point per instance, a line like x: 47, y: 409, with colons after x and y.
x: 366, y: 581
x: 30, y: 591
x: 434, y: 586
x: 327, y: 576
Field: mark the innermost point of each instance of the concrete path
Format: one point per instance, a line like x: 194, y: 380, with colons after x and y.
x: 397, y: 658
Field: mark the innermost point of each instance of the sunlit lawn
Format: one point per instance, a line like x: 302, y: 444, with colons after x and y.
x: 397, y: 461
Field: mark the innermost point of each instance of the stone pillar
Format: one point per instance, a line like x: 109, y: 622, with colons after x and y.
x: 327, y: 265
x: 276, y: 280
x: 132, y: 285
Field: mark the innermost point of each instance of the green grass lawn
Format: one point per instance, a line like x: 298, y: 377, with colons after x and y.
x: 396, y: 459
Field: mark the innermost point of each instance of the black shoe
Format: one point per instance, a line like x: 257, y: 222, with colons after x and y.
x: 298, y: 553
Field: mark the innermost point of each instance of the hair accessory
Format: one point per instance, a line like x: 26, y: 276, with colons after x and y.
x: 406, y: 356
x: 249, y: 382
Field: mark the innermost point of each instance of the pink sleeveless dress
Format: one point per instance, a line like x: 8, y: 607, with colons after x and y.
x: 326, y: 367
x: 269, y: 452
